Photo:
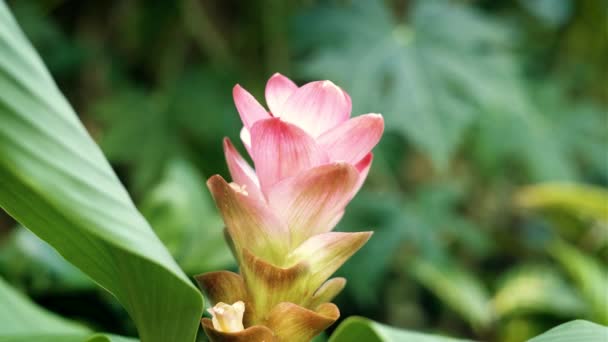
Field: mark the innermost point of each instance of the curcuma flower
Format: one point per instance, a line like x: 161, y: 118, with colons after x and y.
x: 310, y: 159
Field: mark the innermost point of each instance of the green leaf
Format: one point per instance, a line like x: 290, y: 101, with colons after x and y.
x: 56, y: 182
x: 575, y: 331
x: 430, y: 81
x: 24, y: 317
x: 586, y: 201
x: 590, y: 276
x: 26, y: 322
x: 355, y: 329
x: 461, y: 291
x: 31, y: 263
x: 534, y: 289
x: 109, y: 338
x: 434, y: 83
x: 67, y: 338
x: 184, y: 217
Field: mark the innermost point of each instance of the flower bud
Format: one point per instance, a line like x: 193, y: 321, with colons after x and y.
x: 228, y: 318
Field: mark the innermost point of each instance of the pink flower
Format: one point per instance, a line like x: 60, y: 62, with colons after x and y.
x: 308, y: 124
x: 310, y: 158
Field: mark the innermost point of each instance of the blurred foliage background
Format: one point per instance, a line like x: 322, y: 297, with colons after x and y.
x: 488, y: 192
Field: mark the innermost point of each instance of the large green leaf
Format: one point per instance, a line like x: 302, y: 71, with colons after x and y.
x: 66, y: 338
x: 28, y: 262
x: 590, y: 276
x: 55, y: 181
x: 575, y: 331
x: 26, y: 322
x: 355, y: 329
x: 19, y: 316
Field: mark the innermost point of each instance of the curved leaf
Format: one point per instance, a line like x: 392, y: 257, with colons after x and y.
x: 55, y: 181
x: 67, y: 338
x: 30, y: 263
x: 536, y: 289
x: 26, y: 322
x: 584, y: 200
x: 590, y: 276
x: 574, y: 331
x: 25, y: 318
x: 355, y: 329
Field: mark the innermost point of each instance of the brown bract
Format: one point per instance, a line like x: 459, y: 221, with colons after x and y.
x: 283, y: 321
x: 257, y: 333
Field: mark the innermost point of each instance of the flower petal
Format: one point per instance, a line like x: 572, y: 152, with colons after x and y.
x: 353, y: 139
x: 240, y: 171
x: 317, y: 107
x: 254, y: 333
x: 291, y: 322
x: 246, y: 139
x: 325, y: 253
x: 248, y: 107
x: 249, y: 222
x: 227, y: 287
x: 282, y: 150
x: 269, y: 284
x: 327, y: 292
x: 363, y: 167
x: 310, y: 201
x: 222, y: 286
x: 278, y: 89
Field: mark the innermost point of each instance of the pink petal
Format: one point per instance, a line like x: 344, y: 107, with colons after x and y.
x: 249, y: 222
x: 248, y: 107
x: 278, y: 89
x: 353, y: 139
x: 282, y: 150
x: 327, y: 292
x: 246, y: 139
x: 363, y: 167
x: 313, y: 201
x: 325, y: 253
x: 241, y: 172
x: 317, y: 107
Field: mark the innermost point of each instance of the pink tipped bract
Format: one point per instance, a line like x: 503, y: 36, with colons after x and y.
x: 306, y: 127
x: 309, y: 160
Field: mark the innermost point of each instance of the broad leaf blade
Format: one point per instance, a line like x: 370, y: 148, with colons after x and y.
x: 361, y: 329
x: 30, y: 263
x: 574, y: 331
x: 67, y: 338
x: 55, y: 181
x: 19, y: 316
x: 25, y: 322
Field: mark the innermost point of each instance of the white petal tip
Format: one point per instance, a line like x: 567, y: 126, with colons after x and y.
x: 328, y: 83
